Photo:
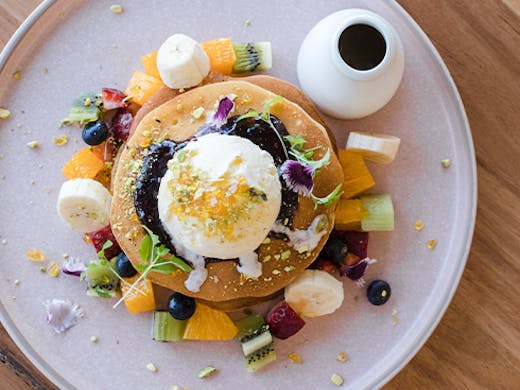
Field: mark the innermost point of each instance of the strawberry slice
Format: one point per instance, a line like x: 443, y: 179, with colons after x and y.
x: 120, y: 127
x: 99, y: 237
x: 283, y: 321
x: 113, y: 98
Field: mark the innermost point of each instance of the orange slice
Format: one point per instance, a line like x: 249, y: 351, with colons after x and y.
x: 221, y: 55
x: 142, y: 87
x: 209, y: 324
x: 358, y: 178
x: 84, y: 164
x: 149, y: 62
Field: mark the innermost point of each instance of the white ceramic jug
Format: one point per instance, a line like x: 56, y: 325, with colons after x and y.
x: 337, y: 88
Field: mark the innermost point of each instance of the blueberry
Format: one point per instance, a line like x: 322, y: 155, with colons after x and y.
x: 378, y: 292
x: 94, y: 133
x: 335, y: 250
x: 124, y: 267
x: 181, y: 307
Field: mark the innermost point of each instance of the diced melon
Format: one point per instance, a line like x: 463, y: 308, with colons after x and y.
x: 358, y: 178
x: 349, y: 214
x: 379, y: 213
x: 142, y: 87
x: 84, y: 164
x: 135, y: 301
x: 149, y: 62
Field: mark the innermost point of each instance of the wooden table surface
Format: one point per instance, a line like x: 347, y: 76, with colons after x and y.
x: 477, y: 344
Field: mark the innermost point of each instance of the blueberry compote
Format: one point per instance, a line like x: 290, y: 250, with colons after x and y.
x: 155, y: 162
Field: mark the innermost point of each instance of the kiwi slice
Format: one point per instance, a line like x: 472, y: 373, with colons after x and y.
x: 85, y: 109
x: 251, y: 56
x: 101, y: 278
x: 256, y: 340
x: 249, y: 324
x: 167, y: 328
x: 260, y: 358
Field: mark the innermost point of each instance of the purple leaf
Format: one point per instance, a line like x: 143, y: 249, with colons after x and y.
x: 298, y: 177
x: 225, y: 106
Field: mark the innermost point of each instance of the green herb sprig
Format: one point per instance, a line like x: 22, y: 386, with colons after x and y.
x: 153, y: 254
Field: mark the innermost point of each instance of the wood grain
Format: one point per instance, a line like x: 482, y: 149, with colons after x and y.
x: 477, y: 344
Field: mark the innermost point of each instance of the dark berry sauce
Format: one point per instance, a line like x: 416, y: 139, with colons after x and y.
x: 155, y: 162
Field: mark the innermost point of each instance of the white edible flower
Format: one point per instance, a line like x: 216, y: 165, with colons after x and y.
x: 62, y: 314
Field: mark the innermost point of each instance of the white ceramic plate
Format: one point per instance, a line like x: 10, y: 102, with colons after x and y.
x: 85, y: 47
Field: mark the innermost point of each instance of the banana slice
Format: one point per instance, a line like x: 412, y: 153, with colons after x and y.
x: 314, y: 293
x: 84, y: 204
x: 182, y: 62
x: 379, y: 148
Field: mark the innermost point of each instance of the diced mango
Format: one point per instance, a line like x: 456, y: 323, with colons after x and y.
x: 149, y: 62
x: 358, y: 178
x: 142, y: 87
x: 221, y: 55
x: 349, y: 214
x: 84, y: 164
x: 135, y: 301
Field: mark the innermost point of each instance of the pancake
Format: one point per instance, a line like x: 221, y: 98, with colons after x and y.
x: 225, y: 287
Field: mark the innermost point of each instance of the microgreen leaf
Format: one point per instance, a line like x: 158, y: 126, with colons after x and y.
x: 164, y: 268
x: 249, y: 114
x: 145, y: 250
x: 328, y: 200
x: 102, y: 293
x: 106, y: 245
x: 314, y: 164
x: 295, y: 143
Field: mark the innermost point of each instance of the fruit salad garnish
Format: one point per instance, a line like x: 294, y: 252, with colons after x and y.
x: 84, y: 204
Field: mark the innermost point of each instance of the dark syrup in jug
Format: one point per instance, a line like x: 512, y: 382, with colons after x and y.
x: 362, y: 47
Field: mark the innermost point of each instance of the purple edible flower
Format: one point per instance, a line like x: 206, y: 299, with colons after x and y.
x: 357, y: 271
x: 225, y: 106
x: 298, y: 177
x: 73, y: 266
x: 62, y: 314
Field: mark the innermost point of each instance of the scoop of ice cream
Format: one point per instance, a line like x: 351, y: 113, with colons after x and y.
x: 220, y: 196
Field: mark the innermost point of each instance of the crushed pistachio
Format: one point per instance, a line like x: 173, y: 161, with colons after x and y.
x: 431, y: 243
x: 17, y: 75
x: 88, y: 102
x: 4, y: 113
x: 53, y: 269
x: 4, y: 241
x: 419, y: 225
x: 394, y: 312
x: 341, y: 357
x: 394, y: 321
x: 295, y: 357
x: 42, y: 269
x: 247, y: 23
x: 206, y: 371
x: 182, y: 90
x: 266, y: 241
x: 17, y: 282
x: 285, y: 254
x: 276, y: 272
x: 277, y: 257
x: 266, y: 258
x: 36, y: 255
x: 45, y: 70
x: 198, y: 112
x: 33, y: 144
x: 61, y: 140
x: 175, y: 387
x: 356, y: 298
x: 151, y: 367
x: 93, y: 339
x: 289, y: 268
x: 65, y: 255
x: 446, y: 163
x: 336, y: 379
x: 116, y: 8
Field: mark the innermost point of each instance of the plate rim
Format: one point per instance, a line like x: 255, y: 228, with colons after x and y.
x: 412, y: 346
